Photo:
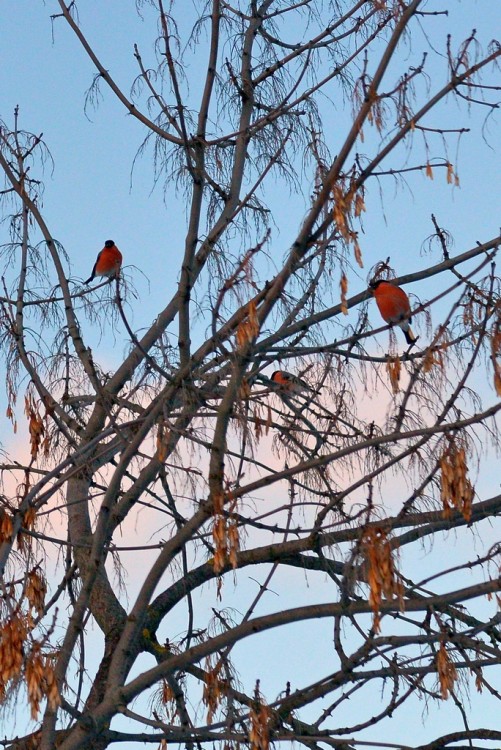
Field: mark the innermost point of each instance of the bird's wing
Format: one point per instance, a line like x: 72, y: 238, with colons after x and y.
x: 93, y: 270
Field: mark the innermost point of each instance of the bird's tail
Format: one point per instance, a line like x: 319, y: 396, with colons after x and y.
x: 410, y: 337
x: 91, y: 278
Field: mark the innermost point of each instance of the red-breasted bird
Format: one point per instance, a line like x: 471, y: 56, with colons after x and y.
x: 108, y: 262
x: 394, y: 306
x: 290, y: 383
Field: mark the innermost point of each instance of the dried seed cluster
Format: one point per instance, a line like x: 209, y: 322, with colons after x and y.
x: 456, y: 490
x: 21, y: 655
x: 214, y: 687
x: 381, y: 572
x: 348, y: 204
x: 447, y: 673
x: 249, y: 327
x: 259, y: 731
x: 36, y: 427
x: 40, y: 681
x: 225, y: 534
x: 496, y: 353
x: 394, y: 369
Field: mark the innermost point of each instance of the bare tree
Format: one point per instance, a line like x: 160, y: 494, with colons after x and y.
x: 339, y: 475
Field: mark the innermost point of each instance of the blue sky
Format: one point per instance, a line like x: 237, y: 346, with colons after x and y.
x: 95, y: 193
